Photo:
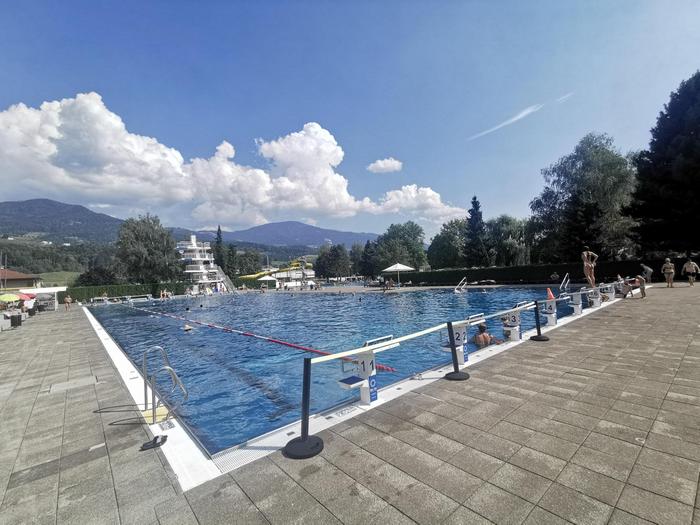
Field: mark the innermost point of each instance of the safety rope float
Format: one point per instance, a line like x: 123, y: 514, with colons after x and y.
x: 228, y: 329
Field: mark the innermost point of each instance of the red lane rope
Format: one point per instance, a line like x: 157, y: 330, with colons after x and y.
x: 228, y: 329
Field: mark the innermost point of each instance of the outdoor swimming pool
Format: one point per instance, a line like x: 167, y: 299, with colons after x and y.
x: 240, y: 387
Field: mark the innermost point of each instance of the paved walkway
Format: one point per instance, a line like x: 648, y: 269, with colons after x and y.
x: 599, y: 425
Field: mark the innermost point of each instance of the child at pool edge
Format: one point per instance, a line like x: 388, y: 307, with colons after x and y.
x: 642, y: 286
x: 483, y: 338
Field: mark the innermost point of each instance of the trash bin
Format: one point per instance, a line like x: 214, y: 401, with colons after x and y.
x: 16, y: 320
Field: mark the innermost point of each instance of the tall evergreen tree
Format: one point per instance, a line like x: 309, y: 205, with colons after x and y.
x: 475, y: 253
x: 356, y: 258
x: 369, y: 263
x: 230, y: 263
x: 668, y: 190
x: 219, y: 248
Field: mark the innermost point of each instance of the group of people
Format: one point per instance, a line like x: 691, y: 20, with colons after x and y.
x: 690, y: 269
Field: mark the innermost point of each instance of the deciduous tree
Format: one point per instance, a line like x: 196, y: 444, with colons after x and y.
x: 447, y: 247
x: 146, y: 250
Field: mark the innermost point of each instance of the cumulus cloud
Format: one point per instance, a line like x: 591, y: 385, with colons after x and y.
x: 77, y: 150
x: 424, y: 202
x: 388, y: 165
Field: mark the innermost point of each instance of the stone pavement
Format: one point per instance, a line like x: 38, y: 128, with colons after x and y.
x: 599, y: 425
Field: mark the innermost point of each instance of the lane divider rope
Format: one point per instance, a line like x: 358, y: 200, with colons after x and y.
x: 228, y: 329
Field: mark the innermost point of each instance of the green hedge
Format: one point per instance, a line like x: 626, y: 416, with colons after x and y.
x: 606, y: 271
x: 85, y: 293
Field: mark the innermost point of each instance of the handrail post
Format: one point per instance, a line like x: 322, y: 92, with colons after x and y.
x: 539, y: 336
x: 456, y: 374
x: 305, y: 446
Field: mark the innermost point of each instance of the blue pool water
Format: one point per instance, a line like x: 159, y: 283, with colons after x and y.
x: 240, y: 387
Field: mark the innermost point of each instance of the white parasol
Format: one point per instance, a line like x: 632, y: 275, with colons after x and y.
x: 398, y: 267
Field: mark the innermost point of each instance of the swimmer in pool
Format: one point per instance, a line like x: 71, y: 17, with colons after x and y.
x: 483, y: 338
x: 187, y: 328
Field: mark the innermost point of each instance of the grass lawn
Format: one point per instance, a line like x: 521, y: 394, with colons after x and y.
x: 59, y: 278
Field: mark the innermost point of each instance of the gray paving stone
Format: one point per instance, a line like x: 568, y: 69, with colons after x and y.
x: 222, y: 501
x: 653, y: 507
x: 664, y: 483
x: 423, y: 504
x: 574, y: 506
x: 620, y: 517
x: 538, y: 462
x: 459, y: 432
x: 495, y: 446
x: 476, y: 463
x: 465, y: 516
x: 512, y: 432
x: 499, y: 506
x: 539, y: 516
x: 388, y: 482
x: 286, y: 505
x: 673, y: 446
x: 598, y: 486
x: 551, y: 445
x: 521, y: 482
x: 453, y: 482
x: 261, y: 478
x: 355, y: 504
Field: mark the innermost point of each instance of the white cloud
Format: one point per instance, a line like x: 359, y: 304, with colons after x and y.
x: 564, y: 98
x: 512, y: 120
x: 388, y: 165
x: 79, y: 151
x: 424, y: 202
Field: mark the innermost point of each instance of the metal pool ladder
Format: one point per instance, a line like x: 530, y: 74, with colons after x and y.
x: 151, y: 381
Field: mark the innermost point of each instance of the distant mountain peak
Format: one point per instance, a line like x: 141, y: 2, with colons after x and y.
x: 285, y: 233
x: 59, y: 221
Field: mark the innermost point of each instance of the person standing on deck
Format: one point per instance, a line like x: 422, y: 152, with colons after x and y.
x: 642, y: 286
x: 589, y: 259
x: 691, y: 270
x: 669, y: 270
x: 646, y: 272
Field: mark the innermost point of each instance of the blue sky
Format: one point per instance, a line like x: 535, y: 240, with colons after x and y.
x: 415, y: 81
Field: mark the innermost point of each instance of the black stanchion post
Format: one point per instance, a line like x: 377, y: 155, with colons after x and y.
x: 456, y: 374
x: 304, y: 446
x: 539, y: 336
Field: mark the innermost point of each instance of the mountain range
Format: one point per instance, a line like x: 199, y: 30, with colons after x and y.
x: 60, y: 222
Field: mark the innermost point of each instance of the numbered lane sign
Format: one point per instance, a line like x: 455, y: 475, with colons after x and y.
x: 366, y: 364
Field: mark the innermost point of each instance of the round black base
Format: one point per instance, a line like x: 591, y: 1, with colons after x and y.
x: 539, y: 338
x: 456, y: 376
x: 299, y: 448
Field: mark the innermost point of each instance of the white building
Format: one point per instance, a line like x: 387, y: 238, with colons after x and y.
x: 200, y: 268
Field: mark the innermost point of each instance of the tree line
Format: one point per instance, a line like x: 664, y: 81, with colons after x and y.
x: 620, y: 205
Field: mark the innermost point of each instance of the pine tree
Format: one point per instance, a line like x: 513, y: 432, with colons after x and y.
x: 231, y: 261
x: 219, y: 248
x: 475, y: 253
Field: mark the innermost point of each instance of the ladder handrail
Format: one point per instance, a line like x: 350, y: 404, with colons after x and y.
x: 461, y: 285
x: 144, y: 369
x: 176, y: 383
